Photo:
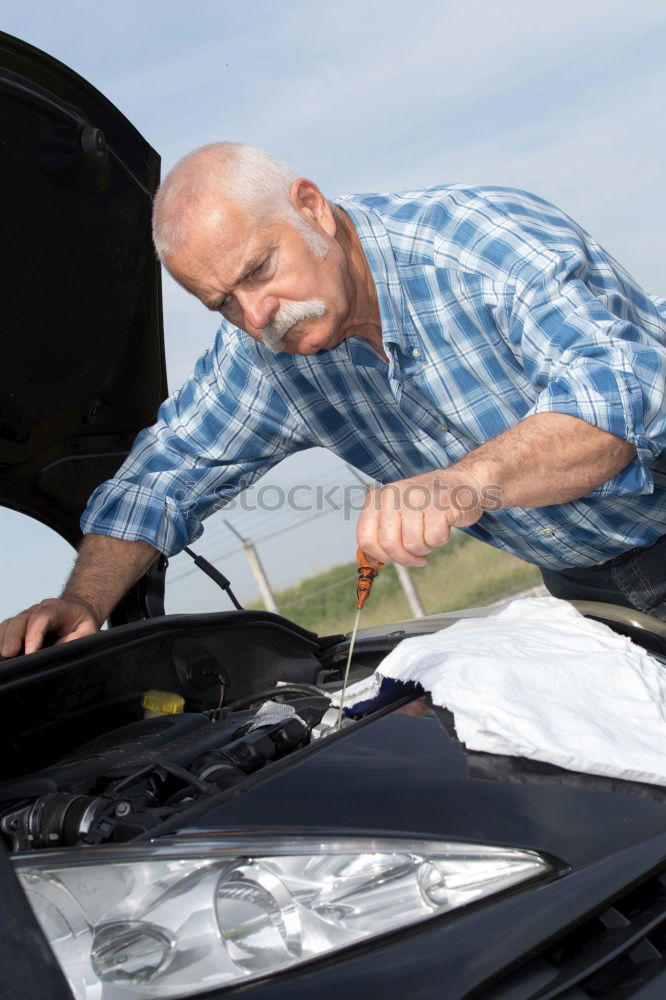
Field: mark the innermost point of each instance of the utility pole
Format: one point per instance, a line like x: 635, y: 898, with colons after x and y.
x: 258, y: 571
x: 410, y: 591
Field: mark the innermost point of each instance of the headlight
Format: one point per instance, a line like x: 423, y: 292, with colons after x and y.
x: 186, y: 915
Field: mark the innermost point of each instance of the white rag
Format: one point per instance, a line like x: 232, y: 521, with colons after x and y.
x: 534, y: 678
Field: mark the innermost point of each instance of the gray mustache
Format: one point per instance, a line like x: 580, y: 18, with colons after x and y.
x: 287, y: 316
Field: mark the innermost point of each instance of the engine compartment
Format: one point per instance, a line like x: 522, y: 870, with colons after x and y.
x: 81, y: 765
x: 131, y: 780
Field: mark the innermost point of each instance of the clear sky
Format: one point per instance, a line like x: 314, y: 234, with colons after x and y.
x: 564, y: 99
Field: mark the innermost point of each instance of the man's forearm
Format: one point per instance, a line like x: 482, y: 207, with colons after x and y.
x: 547, y: 458
x: 105, y: 569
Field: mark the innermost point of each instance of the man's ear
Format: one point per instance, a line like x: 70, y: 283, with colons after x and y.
x: 309, y: 202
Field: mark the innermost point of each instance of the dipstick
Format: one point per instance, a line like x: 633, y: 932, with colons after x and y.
x: 367, y: 571
x: 346, y: 677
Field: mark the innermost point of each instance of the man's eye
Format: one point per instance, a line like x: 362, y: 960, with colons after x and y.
x: 262, y: 269
x: 226, y: 304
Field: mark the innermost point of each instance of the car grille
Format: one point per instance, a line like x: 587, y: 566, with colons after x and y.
x: 610, y: 956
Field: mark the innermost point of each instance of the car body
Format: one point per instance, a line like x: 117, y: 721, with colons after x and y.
x: 228, y: 848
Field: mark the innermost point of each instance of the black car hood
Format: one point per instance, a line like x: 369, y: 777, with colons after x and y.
x: 83, y: 357
x: 406, y: 776
x: 387, y: 774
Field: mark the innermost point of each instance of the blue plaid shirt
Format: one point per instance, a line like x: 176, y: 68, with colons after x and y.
x: 494, y: 305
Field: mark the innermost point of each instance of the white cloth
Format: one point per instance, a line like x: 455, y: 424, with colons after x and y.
x: 534, y: 678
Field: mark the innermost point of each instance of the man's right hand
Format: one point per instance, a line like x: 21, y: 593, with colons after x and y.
x: 66, y: 617
x: 105, y: 568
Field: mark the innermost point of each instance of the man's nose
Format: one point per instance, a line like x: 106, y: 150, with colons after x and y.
x: 259, y: 309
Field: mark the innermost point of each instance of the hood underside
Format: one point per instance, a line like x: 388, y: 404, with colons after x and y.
x: 83, y: 362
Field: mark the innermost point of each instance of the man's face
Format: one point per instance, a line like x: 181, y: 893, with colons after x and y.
x: 265, y: 279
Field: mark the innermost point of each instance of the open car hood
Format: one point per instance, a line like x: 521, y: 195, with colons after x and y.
x: 83, y: 361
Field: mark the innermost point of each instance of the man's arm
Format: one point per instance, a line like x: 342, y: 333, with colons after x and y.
x: 593, y: 345
x: 105, y: 569
x: 224, y: 428
x: 548, y: 458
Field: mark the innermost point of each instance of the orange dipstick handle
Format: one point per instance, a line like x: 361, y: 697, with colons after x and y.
x: 367, y: 571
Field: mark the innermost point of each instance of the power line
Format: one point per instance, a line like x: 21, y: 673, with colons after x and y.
x: 295, y: 524
x: 282, y: 527
x: 320, y: 590
x: 352, y: 578
x: 218, y: 557
x: 284, y: 512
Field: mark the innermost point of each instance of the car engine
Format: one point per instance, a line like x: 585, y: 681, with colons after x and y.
x: 85, y: 760
x: 131, y: 781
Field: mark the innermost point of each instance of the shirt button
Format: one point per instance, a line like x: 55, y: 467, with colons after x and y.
x: 548, y: 532
x: 442, y: 427
x: 416, y: 353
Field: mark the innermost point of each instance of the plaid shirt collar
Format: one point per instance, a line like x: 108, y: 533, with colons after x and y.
x: 397, y: 328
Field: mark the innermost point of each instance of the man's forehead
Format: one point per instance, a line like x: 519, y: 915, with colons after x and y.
x: 217, y: 252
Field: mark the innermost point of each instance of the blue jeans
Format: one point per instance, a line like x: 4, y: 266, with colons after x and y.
x: 634, y: 579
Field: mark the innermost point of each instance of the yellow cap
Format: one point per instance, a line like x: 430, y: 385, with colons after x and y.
x: 163, y: 702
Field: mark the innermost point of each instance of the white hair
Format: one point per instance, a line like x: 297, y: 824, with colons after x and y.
x: 239, y: 173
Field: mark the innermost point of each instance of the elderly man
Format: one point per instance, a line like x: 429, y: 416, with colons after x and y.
x: 471, y: 348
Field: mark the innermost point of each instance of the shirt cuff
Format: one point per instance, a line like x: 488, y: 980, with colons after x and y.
x: 135, y: 513
x: 611, y: 399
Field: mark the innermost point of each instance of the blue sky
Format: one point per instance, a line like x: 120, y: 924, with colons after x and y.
x: 566, y: 100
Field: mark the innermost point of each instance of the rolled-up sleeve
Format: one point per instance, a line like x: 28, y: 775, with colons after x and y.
x: 594, y: 347
x: 212, y: 438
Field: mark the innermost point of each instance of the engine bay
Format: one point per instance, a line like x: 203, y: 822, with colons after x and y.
x: 126, y: 783
x: 86, y: 764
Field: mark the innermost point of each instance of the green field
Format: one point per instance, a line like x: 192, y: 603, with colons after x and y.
x: 464, y: 573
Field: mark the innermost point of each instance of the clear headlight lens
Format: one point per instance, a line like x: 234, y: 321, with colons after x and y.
x: 184, y: 916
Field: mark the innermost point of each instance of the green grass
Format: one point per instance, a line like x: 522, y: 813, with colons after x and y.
x: 462, y: 574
